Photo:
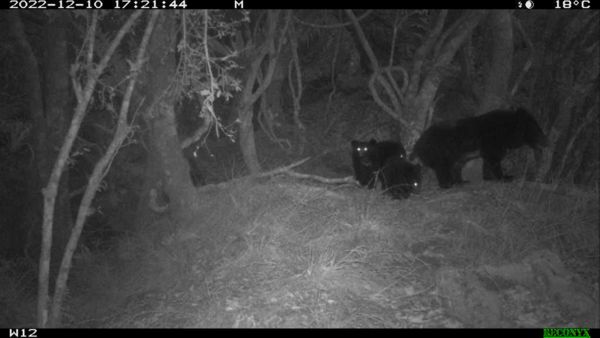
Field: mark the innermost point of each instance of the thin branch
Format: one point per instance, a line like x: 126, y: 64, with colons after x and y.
x: 529, y: 62
x: 285, y: 170
x: 92, y: 37
x: 389, y: 71
x: 397, y: 24
x: 274, y: 53
x: 338, y: 25
x: 440, y: 42
x: 464, y: 30
x: 326, y: 180
x: 208, y: 102
x: 333, y: 84
x: 197, y: 135
x: 421, y: 54
x: 263, y: 174
x: 363, y: 40
x: 50, y: 191
x: 296, y: 91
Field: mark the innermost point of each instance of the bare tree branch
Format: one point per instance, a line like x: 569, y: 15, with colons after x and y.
x: 285, y: 170
x: 51, y: 190
x: 363, y: 40
x: 421, y: 54
x: 315, y: 25
x: 529, y: 62
x: 99, y: 172
x: 198, y: 133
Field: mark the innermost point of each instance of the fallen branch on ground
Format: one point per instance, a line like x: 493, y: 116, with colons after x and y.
x: 281, y: 170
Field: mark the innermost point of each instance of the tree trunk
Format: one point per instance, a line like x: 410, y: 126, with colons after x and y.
x: 49, y: 103
x: 267, y: 52
x: 274, y: 91
x: 50, y: 191
x: 420, y: 99
x: 496, y: 84
x: 247, y: 143
x: 176, y: 181
x: 58, y: 110
x: 175, y: 172
x: 32, y: 85
x: 413, y: 100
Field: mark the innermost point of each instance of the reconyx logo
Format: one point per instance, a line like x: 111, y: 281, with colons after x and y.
x: 566, y: 333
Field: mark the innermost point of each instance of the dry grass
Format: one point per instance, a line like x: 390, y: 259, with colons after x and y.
x: 17, y: 290
x: 284, y: 253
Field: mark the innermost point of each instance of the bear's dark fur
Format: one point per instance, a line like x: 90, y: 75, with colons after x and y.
x: 369, y: 157
x: 191, y: 154
x: 447, y: 146
x: 400, y: 178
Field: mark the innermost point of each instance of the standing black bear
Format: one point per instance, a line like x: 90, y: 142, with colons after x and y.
x: 400, y: 178
x: 447, y: 146
x: 369, y: 157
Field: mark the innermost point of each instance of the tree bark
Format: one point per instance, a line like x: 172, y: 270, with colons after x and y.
x: 270, y: 49
x: 412, y: 103
x: 174, y: 171
x: 33, y: 90
x: 496, y: 84
x: 84, y: 95
x: 58, y: 111
x: 420, y: 103
x: 247, y: 142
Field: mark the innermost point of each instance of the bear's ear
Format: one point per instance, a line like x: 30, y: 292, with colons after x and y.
x: 415, y: 159
x: 372, y: 141
x: 354, y: 144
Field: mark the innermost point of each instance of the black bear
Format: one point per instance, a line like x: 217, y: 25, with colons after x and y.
x: 192, y: 154
x: 447, y: 146
x: 369, y: 157
x: 400, y: 178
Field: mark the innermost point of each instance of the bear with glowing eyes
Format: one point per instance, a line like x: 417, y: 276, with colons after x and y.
x: 387, y: 162
x: 370, y: 157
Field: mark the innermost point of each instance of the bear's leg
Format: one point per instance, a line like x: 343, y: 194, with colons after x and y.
x: 196, y: 172
x: 372, y: 179
x: 361, y: 174
x: 457, y: 173
x: 492, y: 156
x: 492, y: 169
x: 197, y: 178
x: 443, y: 172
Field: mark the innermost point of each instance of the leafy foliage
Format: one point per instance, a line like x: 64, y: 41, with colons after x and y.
x: 205, y: 62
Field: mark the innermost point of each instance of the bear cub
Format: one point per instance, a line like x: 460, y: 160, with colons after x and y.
x: 369, y: 157
x: 387, y: 162
x: 400, y: 178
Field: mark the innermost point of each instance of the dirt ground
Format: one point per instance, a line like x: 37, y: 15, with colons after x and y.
x: 291, y: 253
